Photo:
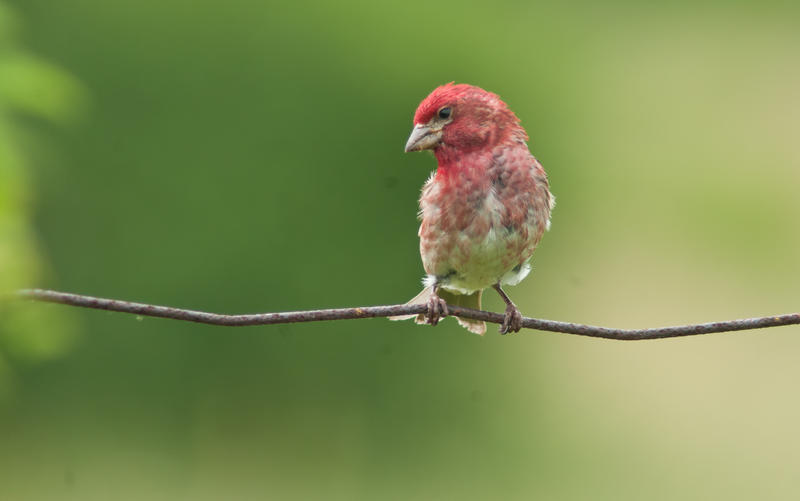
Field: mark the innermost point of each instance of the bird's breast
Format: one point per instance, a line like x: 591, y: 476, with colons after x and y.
x: 479, y: 223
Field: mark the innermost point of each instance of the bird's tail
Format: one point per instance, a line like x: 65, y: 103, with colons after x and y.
x: 466, y: 300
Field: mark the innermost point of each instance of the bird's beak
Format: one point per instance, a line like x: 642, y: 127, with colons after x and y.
x: 423, y: 138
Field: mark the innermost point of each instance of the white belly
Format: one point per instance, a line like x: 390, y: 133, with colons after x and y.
x: 496, y: 255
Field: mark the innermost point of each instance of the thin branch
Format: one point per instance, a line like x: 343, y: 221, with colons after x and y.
x: 203, y: 317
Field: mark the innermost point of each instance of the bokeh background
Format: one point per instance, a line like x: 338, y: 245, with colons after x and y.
x: 247, y: 157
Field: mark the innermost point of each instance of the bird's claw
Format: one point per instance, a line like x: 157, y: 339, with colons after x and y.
x: 512, y: 321
x: 437, y: 310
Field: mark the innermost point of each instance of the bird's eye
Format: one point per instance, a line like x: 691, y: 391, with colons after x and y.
x: 444, y: 113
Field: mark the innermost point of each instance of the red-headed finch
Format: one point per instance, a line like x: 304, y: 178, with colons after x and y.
x: 485, y: 208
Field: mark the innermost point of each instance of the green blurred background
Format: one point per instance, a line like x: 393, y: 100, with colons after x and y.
x: 247, y: 156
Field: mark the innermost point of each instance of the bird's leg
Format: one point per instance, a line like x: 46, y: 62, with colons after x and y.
x: 437, y: 307
x: 512, y: 322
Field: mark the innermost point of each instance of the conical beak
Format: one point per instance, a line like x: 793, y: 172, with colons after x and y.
x: 423, y: 138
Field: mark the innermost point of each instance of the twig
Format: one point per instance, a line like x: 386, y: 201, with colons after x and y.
x: 203, y: 317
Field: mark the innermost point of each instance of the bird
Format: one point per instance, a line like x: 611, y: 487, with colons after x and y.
x: 483, y: 210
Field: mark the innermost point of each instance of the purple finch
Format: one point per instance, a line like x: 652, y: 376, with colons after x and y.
x: 484, y: 210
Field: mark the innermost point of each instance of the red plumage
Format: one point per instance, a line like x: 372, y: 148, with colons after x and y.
x: 485, y: 209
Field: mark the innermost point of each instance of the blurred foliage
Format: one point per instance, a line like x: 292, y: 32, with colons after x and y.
x: 248, y: 157
x: 34, y: 88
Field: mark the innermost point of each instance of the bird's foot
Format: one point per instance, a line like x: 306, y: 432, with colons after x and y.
x: 437, y: 310
x: 512, y: 321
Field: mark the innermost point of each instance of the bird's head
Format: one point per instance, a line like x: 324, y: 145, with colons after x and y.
x: 462, y: 118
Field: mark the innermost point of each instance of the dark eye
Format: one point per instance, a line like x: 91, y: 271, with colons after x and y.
x: 444, y: 113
